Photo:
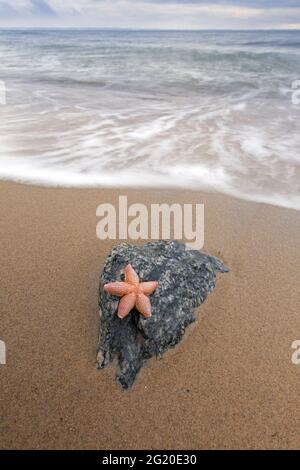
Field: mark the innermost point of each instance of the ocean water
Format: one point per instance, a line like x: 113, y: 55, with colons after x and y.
x: 208, y: 110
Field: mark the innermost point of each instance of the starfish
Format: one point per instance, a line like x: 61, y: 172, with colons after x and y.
x: 133, y: 292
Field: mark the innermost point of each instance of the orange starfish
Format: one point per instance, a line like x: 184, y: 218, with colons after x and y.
x: 133, y: 292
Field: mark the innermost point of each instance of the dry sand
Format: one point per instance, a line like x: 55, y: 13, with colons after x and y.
x: 229, y: 384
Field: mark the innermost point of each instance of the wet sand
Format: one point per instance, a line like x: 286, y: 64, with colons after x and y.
x: 229, y: 384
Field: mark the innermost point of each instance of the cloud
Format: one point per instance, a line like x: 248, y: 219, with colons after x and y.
x: 29, y: 8
x: 42, y: 8
x: 6, y: 11
x: 165, y: 14
x: 262, y: 4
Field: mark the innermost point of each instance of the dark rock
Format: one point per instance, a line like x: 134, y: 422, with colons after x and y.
x: 185, y: 278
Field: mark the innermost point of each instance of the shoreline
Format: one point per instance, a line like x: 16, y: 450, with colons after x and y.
x: 229, y: 384
x: 162, y: 184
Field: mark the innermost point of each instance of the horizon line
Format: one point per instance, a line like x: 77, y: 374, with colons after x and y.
x: 103, y: 28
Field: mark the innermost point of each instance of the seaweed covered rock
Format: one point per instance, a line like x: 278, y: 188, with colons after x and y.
x: 185, y: 277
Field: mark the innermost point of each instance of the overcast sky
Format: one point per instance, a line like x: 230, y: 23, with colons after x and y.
x: 157, y: 14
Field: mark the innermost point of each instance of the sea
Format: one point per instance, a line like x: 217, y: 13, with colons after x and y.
x: 205, y: 110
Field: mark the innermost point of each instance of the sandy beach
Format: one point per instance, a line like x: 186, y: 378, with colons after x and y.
x: 229, y: 384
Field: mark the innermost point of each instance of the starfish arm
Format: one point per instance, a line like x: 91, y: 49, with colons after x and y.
x: 118, y: 288
x: 131, y: 276
x: 126, y: 304
x: 148, y: 287
x: 143, y: 305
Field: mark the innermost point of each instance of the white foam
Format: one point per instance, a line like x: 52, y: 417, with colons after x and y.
x: 198, y: 178
x: 254, y: 146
